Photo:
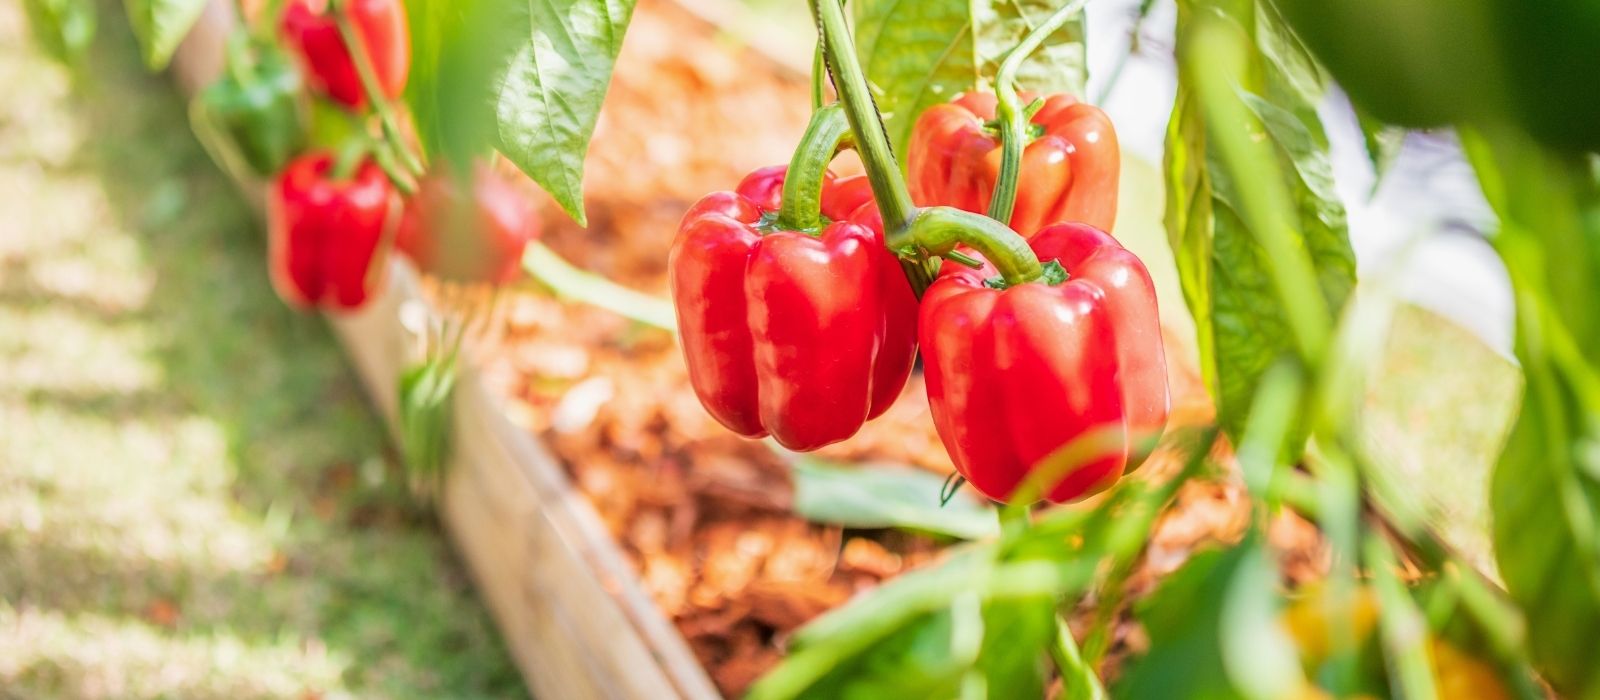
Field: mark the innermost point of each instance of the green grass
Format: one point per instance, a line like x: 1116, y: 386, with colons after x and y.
x: 195, y: 500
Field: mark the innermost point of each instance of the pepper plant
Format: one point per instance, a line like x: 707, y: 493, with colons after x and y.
x: 801, y: 300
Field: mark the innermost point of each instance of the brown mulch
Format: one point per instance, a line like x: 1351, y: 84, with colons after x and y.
x: 702, y: 515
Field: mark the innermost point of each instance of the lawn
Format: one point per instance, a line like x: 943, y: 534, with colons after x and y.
x: 195, y: 499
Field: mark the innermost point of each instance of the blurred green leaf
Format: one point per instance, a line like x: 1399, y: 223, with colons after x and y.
x: 1383, y: 143
x: 1184, y: 620
x: 902, y: 639
x: 64, y: 28
x: 918, y: 54
x: 160, y: 26
x: 1404, y: 631
x: 460, y: 51
x: 1545, y: 491
x: 427, y: 392
x: 880, y: 496
x: 1227, y: 276
x: 550, y: 98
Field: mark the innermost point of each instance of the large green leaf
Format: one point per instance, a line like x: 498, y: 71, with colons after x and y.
x: 918, y: 53
x: 551, y: 94
x: 524, y: 77
x: 1225, y: 272
x: 160, y: 26
x: 1545, y: 491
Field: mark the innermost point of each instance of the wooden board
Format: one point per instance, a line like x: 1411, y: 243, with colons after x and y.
x: 573, y: 614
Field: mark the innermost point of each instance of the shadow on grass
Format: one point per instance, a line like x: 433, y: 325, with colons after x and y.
x: 357, y: 569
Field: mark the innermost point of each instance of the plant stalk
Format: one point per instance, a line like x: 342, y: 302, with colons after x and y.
x: 369, y: 84
x: 1009, y: 110
x: 802, y: 184
x: 872, y: 141
x: 938, y: 230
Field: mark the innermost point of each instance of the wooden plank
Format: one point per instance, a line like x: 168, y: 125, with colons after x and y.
x: 574, y: 615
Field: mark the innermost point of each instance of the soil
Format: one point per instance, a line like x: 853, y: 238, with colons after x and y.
x: 701, y: 514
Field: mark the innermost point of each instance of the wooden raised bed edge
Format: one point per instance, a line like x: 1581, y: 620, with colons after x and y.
x: 572, y: 612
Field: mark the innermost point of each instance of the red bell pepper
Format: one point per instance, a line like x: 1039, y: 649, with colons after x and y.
x: 478, y: 240
x: 1016, y: 375
x: 325, y: 234
x: 792, y: 326
x: 1069, y: 170
x: 310, y: 27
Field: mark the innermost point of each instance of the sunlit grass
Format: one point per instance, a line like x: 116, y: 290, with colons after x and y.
x: 195, y: 500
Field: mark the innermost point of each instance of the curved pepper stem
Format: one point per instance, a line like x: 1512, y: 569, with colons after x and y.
x: 802, y: 184
x: 938, y: 230
x: 872, y: 142
x: 1010, y: 114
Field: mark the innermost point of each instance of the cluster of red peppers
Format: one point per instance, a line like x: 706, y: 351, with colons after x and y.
x: 336, y: 212
x: 1041, y: 350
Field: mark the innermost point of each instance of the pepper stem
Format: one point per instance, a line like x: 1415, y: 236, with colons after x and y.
x: 1012, y: 118
x: 872, y: 141
x: 357, y: 48
x: 938, y: 230
x: 802, y: 184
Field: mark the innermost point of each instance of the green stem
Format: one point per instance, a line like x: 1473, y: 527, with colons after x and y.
x: 872, y: 141
x: 347, y: 159
x: 1009, y: 112
x: 1078, y: 678
x: 369, y: 85
x: 802, y: 184
x: 817, y: 69
x: 938, y: 230
x: 568, y: 281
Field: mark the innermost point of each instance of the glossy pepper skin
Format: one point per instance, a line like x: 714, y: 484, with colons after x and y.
x: 800, y: 335
x: 256, y: 104
x: 325, y: 235
x: 309, y: 26
x: 1017, y: 374
x: 1069, y: 170
x: 474, y: 239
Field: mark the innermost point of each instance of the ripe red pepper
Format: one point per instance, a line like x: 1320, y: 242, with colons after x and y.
x: 310, y: 27
x: 1018, y: 374
x: 1069, y: 170
x: 325, y: 234
x: 478, y: 240
x: 792, y: 326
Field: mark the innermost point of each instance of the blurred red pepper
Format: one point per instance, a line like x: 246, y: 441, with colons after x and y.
x: 792, y: 326
x: 310, y: 26
x: 478, y: 240
x: 1069, y: 169
x: 1017, y: 375
x: 325, y: 233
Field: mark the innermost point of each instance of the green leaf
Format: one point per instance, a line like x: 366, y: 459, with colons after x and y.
x: 160, y: 26
x: 1215, y: 631
x: 63, y: 28
x: 880, y: 496
x: 919, y: 53
x: 1383, y: 143
x: 1184, y: 621
x: 460, y: 52
x: 1545, y: 490
x: 1226, y: 275
x: 550, y: 98
x: 427, y: 392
